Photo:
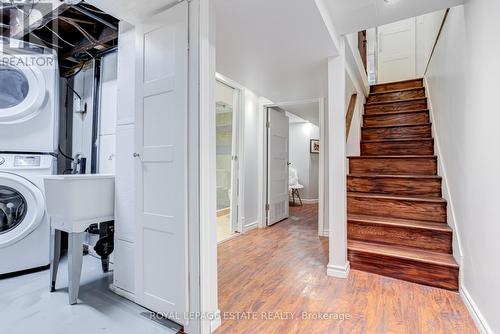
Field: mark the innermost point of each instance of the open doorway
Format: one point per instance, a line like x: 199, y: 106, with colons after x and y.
x: 270, y: 64
x: 292, y: 162
x: 227, y: 180
x: 401, y: 50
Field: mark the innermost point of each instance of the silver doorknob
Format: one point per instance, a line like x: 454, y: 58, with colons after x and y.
x: 137, y: 155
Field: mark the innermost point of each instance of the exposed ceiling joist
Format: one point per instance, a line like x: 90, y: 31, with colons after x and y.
x: 88, y: 13
x: 78, y: 32
x: 105, y: 37
x: 48, y: 13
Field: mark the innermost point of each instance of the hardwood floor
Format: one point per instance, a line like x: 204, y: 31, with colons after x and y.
x: 283, y: 269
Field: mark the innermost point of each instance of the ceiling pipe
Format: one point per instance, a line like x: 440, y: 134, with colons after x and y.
x: 95, y: 17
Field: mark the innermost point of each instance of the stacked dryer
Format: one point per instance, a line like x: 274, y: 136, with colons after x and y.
x: 29, y: 108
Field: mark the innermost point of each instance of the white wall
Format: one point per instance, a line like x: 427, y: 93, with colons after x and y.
x: 83, y: 123
x: 306, y: 163
x: 83, y: 84
x: 107, y: 114
x: 463, y: 80
x: 426, y: 32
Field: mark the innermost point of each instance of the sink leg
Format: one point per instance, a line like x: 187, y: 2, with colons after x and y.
x: 105, y: 264
x: 104, y: 258
x: 55, y: 254
x: 75, y: 261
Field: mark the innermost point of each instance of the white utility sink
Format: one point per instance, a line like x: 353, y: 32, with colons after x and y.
x: 76, y: 201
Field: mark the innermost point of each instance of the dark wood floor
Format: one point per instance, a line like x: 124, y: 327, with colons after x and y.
x: 280, y: 270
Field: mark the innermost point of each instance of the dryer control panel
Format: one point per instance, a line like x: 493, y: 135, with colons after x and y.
x: 21, y: 163
x: 27, y: 161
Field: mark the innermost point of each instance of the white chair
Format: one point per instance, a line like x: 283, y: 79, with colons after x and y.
x: 293, y: 184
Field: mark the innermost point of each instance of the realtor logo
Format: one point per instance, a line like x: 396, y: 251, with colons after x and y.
x: 28, y: 21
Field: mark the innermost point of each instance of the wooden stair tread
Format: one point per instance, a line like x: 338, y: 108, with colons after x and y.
x: 397, y: 218
x: 410, y: 223
x: 373, y: 114
x: 398, y: 176
x: 393, y: 157
x: 393, y: 197
x: 395, y: 101
x: 396, y: 82
x: 393, y: 164
x: 394, y: 126
x: 396, y: 140
x: 397, y: 91
x: 405, y: 253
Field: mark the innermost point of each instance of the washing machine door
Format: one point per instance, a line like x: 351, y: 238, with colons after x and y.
x: 22, y: 208
x: 22, y: 92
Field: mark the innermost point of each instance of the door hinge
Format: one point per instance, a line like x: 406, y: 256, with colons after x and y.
x: 268, y: 124
x: 267, y: 207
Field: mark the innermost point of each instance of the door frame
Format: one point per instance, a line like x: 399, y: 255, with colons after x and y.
x: 203, y: 249
x: 263, y: 168
x: 238, y: 151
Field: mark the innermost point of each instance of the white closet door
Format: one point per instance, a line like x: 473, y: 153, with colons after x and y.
x: 161, y: 164
x: 277, y: 166
x: 396, y: 50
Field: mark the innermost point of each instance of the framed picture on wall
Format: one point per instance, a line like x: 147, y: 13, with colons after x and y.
x: 314, y: 146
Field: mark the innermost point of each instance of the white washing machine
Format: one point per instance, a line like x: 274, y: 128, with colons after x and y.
x: 29, y: 99
x: 24, y: 225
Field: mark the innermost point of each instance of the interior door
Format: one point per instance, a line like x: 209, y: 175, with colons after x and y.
x: 396, y: 50
x: 161, y: 164
x: 277, y: 171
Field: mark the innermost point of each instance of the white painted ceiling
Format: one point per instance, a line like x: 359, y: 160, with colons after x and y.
x: 303, y: 112
x: 355, y: 15
x: 276, y: 48
x: 292, y: 118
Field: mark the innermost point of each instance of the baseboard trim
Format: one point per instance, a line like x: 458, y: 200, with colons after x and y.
x: 123, y: 293
x: 325, y: 233
x: 250, y: 226
x: 215, y: 322
x: 338, y: 271
x: 477, y: 316
x: 310, y: 201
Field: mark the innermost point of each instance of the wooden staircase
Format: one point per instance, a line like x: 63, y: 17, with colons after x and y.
x: 397, y: 219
